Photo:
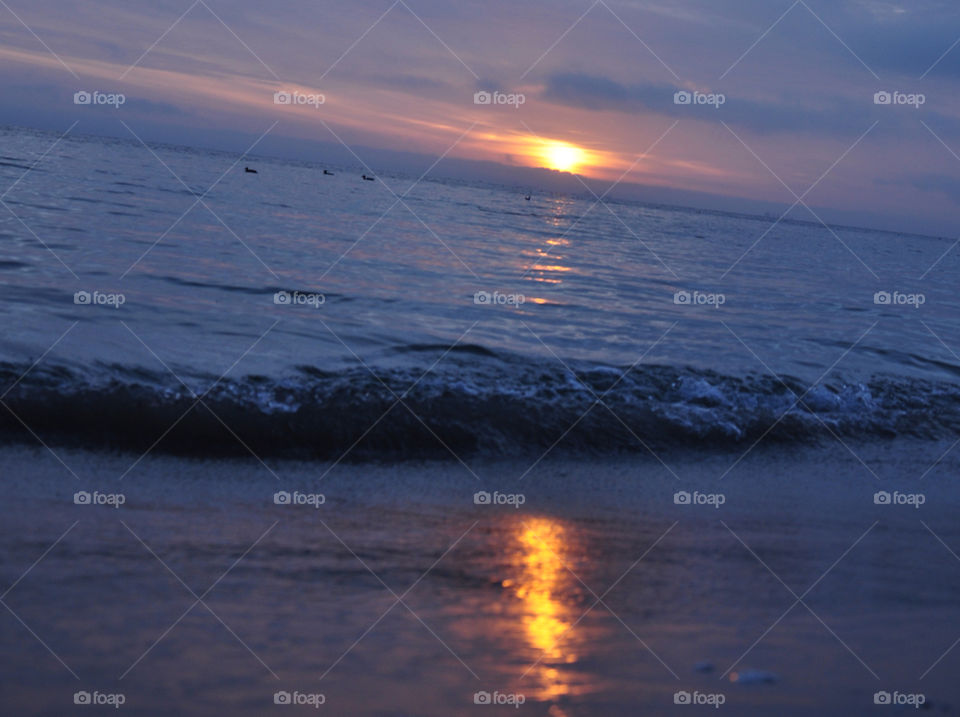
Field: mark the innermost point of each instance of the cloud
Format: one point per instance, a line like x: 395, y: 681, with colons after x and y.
x: 947, y: 185
x: 595, y: 93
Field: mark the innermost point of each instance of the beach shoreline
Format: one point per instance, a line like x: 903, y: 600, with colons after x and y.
x: 505, y: 591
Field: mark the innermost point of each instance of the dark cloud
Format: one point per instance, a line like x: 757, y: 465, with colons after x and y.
x: 944, y: 184
x: 591, y: 92
x: 902, y: 39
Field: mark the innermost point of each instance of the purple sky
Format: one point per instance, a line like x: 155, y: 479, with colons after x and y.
x: 798, y: 81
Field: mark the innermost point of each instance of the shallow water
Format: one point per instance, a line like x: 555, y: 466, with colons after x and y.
x: 495, y: 598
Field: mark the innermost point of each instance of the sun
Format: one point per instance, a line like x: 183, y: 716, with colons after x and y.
x: 563, y: 156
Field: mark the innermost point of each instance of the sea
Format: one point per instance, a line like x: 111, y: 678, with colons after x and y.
x: 287, y: 439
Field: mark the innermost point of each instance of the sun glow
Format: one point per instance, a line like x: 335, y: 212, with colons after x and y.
x: 563, y: 156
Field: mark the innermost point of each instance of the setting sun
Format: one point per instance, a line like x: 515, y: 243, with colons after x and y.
x: 563, y: 156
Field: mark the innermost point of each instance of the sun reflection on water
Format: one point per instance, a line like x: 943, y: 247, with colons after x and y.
x: 543, y: 574
x: 548, y: 266
x: 544, y: 586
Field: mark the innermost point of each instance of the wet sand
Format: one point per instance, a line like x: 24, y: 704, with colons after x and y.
x: 596, y: 595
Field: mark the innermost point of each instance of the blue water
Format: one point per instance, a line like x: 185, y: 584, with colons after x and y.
x: 391, y: 270
x: 390, y: 356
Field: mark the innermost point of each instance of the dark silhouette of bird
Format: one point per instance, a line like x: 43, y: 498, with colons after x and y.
x: 527, y: 197
x: 328, y: 172
x: 250, y: 171
x: 369, y: 179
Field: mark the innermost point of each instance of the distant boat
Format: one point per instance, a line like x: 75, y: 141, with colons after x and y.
x: 369, y: 179
x: 527, y: 197
x: 251, y: 171
x: 328, y: 172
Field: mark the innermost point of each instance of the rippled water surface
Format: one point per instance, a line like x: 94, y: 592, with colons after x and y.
x: 209, y: 342
x: 401, y: 284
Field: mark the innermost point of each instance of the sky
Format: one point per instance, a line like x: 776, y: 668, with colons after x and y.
x: 783, y: 108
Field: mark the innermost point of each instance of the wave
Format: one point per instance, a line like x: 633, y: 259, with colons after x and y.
x: 476, y: 403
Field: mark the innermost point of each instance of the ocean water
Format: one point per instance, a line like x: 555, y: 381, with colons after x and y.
x: 499, y: 321
x: 198, y: 340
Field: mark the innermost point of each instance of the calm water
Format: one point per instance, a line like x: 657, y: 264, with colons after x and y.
x: 389, y: 356
x: 500, y: 599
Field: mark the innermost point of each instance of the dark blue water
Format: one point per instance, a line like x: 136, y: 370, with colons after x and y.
x: 302, y: 307
x: 293, y: 314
